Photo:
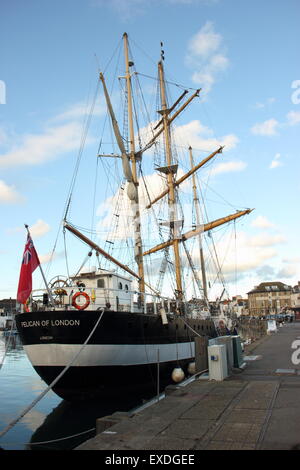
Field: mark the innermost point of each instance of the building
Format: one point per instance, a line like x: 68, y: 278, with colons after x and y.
x: 269, y: 298
x: 237, y: 306
x: 7, y: 306
x: 295, y: 301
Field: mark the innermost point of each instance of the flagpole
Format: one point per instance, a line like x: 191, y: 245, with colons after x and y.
x: 42, y: 272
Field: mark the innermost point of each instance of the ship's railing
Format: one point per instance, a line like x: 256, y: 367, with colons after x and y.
x: 88, y: 298
x: 70, y: 298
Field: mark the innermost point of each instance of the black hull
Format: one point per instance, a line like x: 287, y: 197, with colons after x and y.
x: 110, y: 382
x: 122, y: 354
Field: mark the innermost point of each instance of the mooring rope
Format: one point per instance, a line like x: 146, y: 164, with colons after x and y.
x: 194, y: 331
x: 24, y: 412
x: 49, y: 442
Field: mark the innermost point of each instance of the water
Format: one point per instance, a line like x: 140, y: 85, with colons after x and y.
x: 51, y: 418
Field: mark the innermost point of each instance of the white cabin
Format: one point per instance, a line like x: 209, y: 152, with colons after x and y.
x: 88, y: 290
x: 105, y: 289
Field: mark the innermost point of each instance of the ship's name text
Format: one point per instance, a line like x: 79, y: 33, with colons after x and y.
x: 31, y: 323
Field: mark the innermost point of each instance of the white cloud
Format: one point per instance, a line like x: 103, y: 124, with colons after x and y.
x: 259, y: 105
x: 266, y: 272
x: 262, y: 222
x: 242, y: 255
x: 276, y: 162
x: 39, y: 229
x: 35, y: 149
x: 271, y: 126
x: 200, y: 137
x: 61, y: 134
x: 205, y: 42
x: 44, y: 259
x: 79, y: 110
x: 229, y: 167
x: 8, y: 194
x: 293, y: 118
x: 268, y: 102
x: 193, y: 134
x: 265, y: 239
x: 207, y: 56
x: 267, y: 128
x: 287, y: 272
x: 295, y: 260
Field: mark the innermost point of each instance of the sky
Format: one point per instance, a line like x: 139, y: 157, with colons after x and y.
x: 243, y: 55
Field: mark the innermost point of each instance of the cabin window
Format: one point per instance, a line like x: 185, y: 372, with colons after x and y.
x: 120, y: 285
x: 100, y: 283
x: 126, y: 287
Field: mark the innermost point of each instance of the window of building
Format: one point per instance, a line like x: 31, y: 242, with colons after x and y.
x: 101, y: 283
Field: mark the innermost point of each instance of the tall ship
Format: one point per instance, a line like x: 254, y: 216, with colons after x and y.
x: 131, y: 319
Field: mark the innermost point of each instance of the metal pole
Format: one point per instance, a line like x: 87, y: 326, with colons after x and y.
x: 158, y: 375
x: 42, y: 273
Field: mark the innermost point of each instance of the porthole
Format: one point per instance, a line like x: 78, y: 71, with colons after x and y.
x: 120, y: 285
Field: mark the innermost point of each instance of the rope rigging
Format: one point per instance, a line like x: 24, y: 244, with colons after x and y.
x: 117, y: 235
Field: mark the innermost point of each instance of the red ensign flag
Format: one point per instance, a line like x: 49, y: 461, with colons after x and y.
x: 30, y: 262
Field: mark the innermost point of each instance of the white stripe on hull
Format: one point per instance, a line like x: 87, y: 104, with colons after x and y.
x: 107, y: 355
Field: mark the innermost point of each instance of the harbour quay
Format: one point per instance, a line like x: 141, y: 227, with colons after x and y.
x: 256, y: 407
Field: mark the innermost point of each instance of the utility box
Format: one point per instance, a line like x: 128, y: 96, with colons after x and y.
x: 227, y: 341
x: 217, y: 362
x: 237, y: 351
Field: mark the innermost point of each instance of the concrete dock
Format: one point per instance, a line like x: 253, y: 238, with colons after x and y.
x: 257, y: 408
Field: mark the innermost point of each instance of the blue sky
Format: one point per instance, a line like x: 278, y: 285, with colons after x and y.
x: 244, y: 55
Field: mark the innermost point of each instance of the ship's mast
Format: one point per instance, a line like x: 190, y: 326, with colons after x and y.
x: 198, y: 222
x: 203, y: 228
x: 135, y: 206
x: 170, y: 180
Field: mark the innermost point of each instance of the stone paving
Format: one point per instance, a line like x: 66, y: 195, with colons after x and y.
x: 254, y: 409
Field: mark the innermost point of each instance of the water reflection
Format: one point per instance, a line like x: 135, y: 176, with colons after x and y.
x: 69, y: 419
x: 51, y: 419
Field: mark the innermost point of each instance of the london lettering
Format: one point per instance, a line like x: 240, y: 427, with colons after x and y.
x: 45, y: 323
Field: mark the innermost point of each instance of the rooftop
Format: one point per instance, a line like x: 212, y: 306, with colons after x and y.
x: 271, y: 287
